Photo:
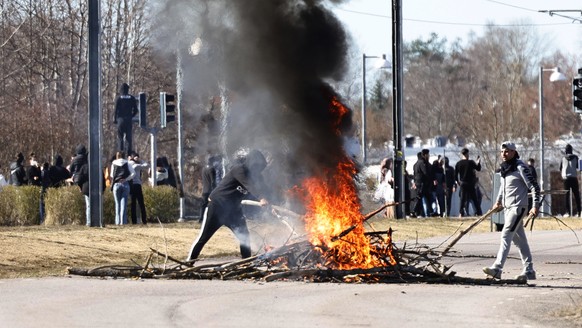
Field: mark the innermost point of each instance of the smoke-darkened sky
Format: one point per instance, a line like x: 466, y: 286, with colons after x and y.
x: 274, y: 59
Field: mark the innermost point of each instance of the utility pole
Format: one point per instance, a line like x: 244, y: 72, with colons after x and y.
x: 95, y: 116
x: 397, y: 111
x: 179, y: 79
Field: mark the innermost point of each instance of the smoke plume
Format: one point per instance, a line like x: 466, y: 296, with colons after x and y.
x: 272, y: 59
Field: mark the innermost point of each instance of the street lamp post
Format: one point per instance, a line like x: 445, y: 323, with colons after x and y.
x: 383, y: 64
x: 556, y: 76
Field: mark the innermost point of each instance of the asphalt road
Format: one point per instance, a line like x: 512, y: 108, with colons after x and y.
x: 90, y: 302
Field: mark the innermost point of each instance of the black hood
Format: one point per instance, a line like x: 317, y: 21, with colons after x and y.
x: 124, y: 89
x: 58, y: 160
x: 255, y: 161
x: 81, y: 150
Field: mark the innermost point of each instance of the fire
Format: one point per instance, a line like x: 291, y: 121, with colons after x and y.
x: 332, y: 205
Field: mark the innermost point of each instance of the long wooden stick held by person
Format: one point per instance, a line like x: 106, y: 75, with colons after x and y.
x: 469, y: 228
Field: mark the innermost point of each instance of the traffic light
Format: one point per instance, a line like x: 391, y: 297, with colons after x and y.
x: 577, y: 92
x: 167, y: 109
x: 142, y: 110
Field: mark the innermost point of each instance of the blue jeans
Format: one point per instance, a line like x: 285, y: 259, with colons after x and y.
x: 120, y: 194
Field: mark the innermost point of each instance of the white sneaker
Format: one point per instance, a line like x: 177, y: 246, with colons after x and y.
x: 526, y: 275
x: 492, y: 272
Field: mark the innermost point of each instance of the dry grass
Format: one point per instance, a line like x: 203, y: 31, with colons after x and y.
x: 36, y: 251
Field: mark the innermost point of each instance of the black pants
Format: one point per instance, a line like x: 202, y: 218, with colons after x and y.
x: 203, y: 205
x: 449, y: 197
x: 469, y: 193
x: 137, y: 197
x: 124, y: 126
x: 571, y: 185
x: 222, y: 214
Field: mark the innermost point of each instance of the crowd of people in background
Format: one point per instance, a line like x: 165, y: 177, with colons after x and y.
x: 429, y: 189
x: 123, y: 176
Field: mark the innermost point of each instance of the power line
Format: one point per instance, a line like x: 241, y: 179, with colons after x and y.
x: 452, y: 23
x: 512, y: 6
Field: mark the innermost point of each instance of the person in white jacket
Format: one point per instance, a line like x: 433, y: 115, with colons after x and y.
x: 516, y: 183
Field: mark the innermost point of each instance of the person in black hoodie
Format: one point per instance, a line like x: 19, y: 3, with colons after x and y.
x: 80, y: 176
x: 17, y: 171
x: 125, y: 110
x: 244, y: 180
x: 569, y: 169
x: 58, y: 173
x: 465, y: 174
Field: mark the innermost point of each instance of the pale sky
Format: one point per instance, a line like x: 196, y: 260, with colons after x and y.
x: 369, y: 21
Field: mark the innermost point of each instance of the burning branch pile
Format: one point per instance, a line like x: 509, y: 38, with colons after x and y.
x: 302, y: 261
x: 337, y: 247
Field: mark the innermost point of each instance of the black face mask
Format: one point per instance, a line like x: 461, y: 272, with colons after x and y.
x: 508, y: 166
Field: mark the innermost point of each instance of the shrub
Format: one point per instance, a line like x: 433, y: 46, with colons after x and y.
x: 162, y: 202
x: 20, y: 205
x: 65, y: 205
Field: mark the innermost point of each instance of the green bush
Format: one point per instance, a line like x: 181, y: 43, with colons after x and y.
x: 162, y: 202
x: 19, y: 205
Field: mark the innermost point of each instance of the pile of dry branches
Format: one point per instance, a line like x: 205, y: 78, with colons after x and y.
x: 302, y: 261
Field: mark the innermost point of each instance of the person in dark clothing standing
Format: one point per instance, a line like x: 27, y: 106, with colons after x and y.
x: 33, y: 172
x: 569, y: 169
x: 125, y: 110
x: 80, y: 176
x: 450, y: 185
x: 424, y: 183
x: 465, y: 174
x: 211, y: 177
x: 58, y: 173
x: 17, y: 172
x: 224, y: 203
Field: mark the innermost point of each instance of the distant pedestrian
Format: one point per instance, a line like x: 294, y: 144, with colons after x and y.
x: 439, y: 189
x: 465, y: 174
x: 516, y: 182
x: 33, y: 171
x: 17, y: 172
x: 385, y: 189
x: 79, y: 169
x: 58, y: 173
x: 569, y: 169
x: 450, y: 185
x: 136, y: 188
x: 121, y: 174
x: 125, y: 110
x: 424, y: 183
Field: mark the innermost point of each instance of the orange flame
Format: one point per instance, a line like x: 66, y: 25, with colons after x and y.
x: 333, y: 206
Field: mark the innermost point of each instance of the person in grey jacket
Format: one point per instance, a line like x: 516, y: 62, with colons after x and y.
x: 516, y: 182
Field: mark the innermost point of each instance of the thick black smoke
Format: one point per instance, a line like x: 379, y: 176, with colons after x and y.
x: 274, y: 58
